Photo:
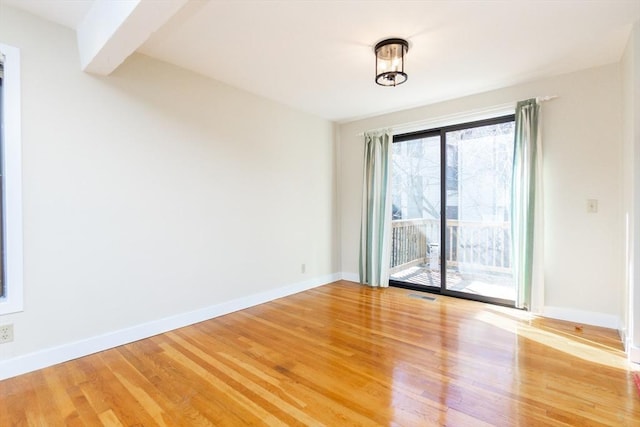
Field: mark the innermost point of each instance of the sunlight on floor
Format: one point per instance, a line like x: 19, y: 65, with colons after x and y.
x: 574, y: 346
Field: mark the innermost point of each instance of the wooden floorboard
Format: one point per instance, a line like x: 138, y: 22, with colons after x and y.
x: 342, y: 355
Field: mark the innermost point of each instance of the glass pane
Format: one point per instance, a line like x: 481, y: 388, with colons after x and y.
x: 415, y: 179
x: 478, y: 231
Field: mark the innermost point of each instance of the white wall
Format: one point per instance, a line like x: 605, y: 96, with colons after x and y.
x: 630, y: 66
x: 582, y: 155
x: 155, y: 192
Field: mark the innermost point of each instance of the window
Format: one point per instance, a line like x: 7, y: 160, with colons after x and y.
x: 11, y: 292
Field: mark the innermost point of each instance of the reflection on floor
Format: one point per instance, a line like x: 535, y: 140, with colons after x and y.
x: 494, y: 285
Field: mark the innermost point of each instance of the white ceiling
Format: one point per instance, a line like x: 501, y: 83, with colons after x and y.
x: 317, y: 56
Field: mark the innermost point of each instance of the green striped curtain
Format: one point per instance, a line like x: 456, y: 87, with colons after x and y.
x: 523, y: 197
x: 375, y: 228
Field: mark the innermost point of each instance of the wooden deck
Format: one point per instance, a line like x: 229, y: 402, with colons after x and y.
x: 489, y: 284
x: 343, y: 355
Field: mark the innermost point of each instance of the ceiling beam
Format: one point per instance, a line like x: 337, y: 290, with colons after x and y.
x: 113, y: 30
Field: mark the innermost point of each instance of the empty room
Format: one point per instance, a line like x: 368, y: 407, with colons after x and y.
x: 318, y: 212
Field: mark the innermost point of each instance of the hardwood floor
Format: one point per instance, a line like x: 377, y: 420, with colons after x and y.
x: 342, y: 355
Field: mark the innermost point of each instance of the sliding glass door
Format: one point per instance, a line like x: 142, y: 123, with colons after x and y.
x: 451, y: 190
x: 416, y: 197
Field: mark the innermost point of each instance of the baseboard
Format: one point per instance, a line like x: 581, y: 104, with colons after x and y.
x: 622, y: 332
x: 351, y: 277
x: 584, y: 317
x: 634, y: 353
x: 54, y: 355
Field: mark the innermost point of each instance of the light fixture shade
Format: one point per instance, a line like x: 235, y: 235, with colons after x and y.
x: 390, y: 62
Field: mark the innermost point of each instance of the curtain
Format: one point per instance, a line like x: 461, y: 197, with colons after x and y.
x: 526, y: 218
x: 375, y: 226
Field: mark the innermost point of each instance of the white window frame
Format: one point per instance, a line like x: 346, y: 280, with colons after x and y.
x: 13, y: 301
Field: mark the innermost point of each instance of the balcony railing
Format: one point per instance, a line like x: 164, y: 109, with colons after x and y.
x: 480, y: 246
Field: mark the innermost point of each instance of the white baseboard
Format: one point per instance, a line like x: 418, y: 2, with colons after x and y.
x: 54, y: 355
x: 585, y: 317
x: 351, y: 277
x: 633, y: 352
x: 622, y: 332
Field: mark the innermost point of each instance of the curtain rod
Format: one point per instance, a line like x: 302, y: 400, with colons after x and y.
x: 546, y: 98
x: 477, y: 114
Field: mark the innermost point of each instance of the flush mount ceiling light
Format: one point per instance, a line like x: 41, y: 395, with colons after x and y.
x: 390, y: 62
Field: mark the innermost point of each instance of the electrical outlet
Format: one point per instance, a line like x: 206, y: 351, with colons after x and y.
x: 303, y: 268
x: 6, y: 333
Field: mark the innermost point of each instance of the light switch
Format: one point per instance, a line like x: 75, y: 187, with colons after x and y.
x: 592, y: 205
